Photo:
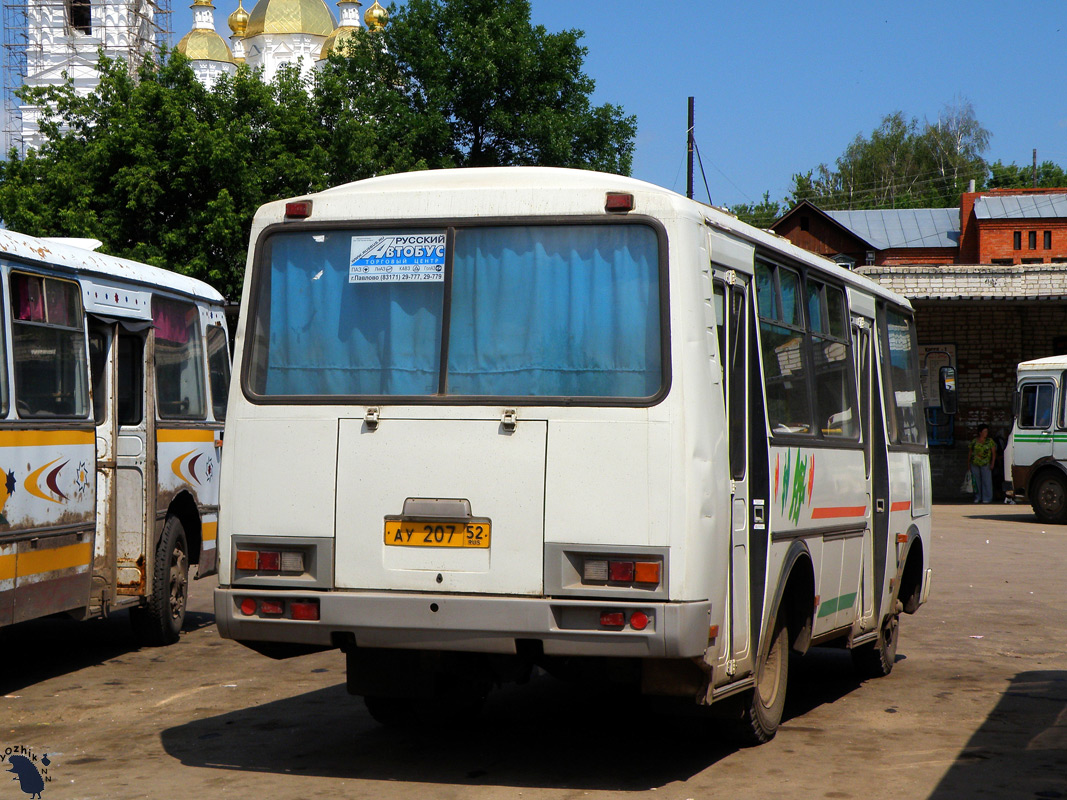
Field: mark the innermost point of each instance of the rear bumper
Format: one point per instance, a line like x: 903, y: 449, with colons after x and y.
x: 474, y: 623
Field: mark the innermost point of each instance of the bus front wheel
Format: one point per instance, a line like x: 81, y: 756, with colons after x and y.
x: 160, y: 620
x: 875, y: 660
x: 1049, y: 497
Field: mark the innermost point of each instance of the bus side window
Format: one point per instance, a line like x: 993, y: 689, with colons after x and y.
x: 179, y: 365
x: 1035, y: 405
x: 97, y: 363
x: 218, y: 365
x: 48, y: 332
x: 782, y: 342
x: 737, y: 366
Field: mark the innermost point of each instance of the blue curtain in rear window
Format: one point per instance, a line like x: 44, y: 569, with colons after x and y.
x: 555, y: 311
x: 331, y: 337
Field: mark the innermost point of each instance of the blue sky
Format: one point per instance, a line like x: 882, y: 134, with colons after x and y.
x: 783, y: 86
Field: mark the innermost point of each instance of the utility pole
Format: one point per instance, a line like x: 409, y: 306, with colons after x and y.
x: 689, y: 154
x: 1034, y: 173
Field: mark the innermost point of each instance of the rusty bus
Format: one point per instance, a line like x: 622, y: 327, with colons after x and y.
x: 113, y: 385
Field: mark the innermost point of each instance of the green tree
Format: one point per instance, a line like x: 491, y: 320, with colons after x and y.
x: 760, y: 214
x: 1012, y: 176
x: 164, y: 171
x: 902, y: 164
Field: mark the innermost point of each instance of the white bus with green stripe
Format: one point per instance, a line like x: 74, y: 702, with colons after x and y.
x: 1038, y: 444
x: 502, y: 419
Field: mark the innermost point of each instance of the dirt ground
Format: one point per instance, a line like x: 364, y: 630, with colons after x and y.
x: 976, y: 707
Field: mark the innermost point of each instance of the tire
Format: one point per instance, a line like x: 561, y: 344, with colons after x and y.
x: 875, y: 660
x: 1049, y: 498
x: 160, y: 620
x: 763, y: 710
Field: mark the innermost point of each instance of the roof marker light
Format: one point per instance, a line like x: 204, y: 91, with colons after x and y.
x: 619, y: 201
x: 298, y: 209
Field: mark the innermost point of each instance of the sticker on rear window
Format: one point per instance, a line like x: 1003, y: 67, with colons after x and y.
x: 397, y: 257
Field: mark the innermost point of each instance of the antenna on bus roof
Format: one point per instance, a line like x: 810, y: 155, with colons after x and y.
x: 689, y: 154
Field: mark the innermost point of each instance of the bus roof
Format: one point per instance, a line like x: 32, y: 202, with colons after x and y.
x: 1047, y: 363
x: 66, y: 256
x: 509, y: 192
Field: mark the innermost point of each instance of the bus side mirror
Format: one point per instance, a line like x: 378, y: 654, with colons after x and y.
x: 948, y: 389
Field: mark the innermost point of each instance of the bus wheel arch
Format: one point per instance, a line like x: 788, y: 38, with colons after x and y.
x: 184, y: 507
x: 794, y: 599
x: 911, y: 575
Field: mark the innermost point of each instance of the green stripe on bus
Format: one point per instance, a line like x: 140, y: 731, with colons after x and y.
x: 832, y: 606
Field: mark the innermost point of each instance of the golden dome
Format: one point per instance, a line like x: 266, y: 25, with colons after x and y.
x: 238, y: 20
x: 376, y: 17
x: 204, y: 45
x: 336, y: 39
x: 290, y: 16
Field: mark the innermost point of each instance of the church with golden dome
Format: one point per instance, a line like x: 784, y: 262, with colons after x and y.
x: 273, y: 33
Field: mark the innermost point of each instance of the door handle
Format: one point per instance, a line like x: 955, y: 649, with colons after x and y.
x: 879, y: 506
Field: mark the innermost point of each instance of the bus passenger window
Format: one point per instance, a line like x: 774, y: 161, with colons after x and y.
x: 179, y: 360
x: 900, y: 375
x: 218, y: 364
x: 835, y: 381
x: 782, y: 344
x: 1035, y: 405
x: 48, y: 332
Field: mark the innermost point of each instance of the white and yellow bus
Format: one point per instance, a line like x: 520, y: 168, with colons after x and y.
x: 1037, y: 451
x: 114, y: 378
x: 502, y: 418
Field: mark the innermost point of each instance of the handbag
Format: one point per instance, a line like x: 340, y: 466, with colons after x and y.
x: 967, y: 487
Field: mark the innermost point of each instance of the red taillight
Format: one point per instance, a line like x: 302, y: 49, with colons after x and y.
x: 247, y: 559
x: 612, y: 619
x: 305, y: 610
x: 639, y: 620
x: 619, y: 201
x: 621, y: 571
x: 270, y: 561
x: 248, y: 606
x: 271, y: 607
x: 298, y: 209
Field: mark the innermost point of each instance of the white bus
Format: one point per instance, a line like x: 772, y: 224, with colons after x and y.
x: 501, y: 418
x: 114, y: 378
x: 1038, y: 442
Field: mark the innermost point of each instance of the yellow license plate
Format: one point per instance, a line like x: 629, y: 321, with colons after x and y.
x: 436, y: 533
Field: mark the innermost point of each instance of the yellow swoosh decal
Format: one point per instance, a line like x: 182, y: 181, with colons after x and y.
x: 31, y: 483
x: 176, y: 464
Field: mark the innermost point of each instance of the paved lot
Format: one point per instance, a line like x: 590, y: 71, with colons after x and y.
x: 975, y: 708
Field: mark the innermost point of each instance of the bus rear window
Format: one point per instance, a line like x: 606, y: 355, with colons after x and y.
x: 564, y: 311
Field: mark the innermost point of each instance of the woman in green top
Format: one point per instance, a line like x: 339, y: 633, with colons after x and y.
x: 981, y: 458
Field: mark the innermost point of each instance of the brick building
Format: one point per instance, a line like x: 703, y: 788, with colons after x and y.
x: 989, y: 285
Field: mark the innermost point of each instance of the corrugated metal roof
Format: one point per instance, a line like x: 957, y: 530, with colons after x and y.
x: 903, y: 227
x: 1021, y: 206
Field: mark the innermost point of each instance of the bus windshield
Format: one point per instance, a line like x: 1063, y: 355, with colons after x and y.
x: 548, y: 311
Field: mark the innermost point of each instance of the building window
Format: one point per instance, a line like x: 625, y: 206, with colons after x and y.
x: 1017, y: 240
x: 1002, y: 262
x: 1031, y: 239
x: 805, y: 224
x: 1032, y: 260
x: 80, y: 16
x: 1048, y: 240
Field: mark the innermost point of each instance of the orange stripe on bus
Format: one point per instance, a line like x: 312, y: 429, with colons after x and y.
x: 900, y: 505
x: 838, y: 512
x: 46, y: 438
x: 35, y: 562
x: 185, y: 435
x: 7, y: 567
x: 209, y: 531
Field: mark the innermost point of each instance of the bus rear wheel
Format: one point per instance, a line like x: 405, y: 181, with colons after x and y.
x: 1049, y: 498
x: 763, y: 712
x: 160, y: 620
